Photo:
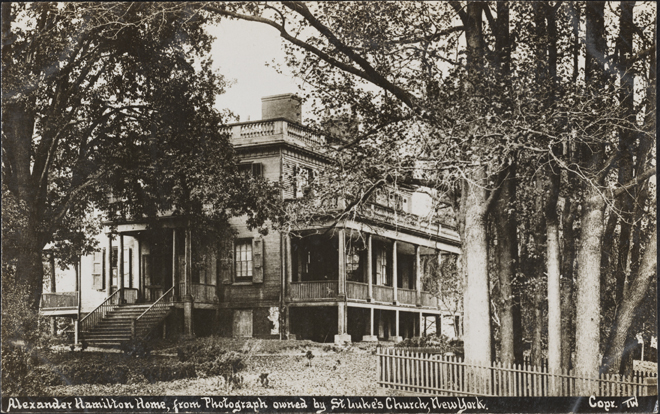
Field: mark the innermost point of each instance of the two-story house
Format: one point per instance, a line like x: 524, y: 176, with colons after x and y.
x: 352, y: 280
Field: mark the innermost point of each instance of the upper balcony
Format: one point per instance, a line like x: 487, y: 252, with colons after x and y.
x: 273, y: 130
x: 413, y: 222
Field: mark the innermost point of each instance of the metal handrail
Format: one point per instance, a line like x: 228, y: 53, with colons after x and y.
x: 160, y: 303
x: 95, y: 316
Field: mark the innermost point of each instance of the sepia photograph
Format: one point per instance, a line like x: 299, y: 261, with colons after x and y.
x: 367, y: 206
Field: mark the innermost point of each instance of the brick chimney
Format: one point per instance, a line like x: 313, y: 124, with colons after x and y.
x: 286, y: 106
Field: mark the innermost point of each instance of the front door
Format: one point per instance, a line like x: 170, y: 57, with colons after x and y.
x: 242, y: 323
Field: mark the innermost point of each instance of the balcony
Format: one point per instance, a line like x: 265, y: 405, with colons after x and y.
x: 256, y: 132
x: 321, y: 290
x: 356, y: 291
x: 410, y: 221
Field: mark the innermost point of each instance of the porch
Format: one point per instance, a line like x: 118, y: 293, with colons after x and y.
x: 359, y: 292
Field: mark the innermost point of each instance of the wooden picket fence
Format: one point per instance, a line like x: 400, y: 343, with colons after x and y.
x: 434, y: 373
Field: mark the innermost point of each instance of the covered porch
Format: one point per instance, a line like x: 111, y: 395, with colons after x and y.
x: 346, y: 269
x: 144, y: 263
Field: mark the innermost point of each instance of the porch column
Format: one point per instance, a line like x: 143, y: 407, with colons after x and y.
x: 369, y: 273
x: 422, y: 325
x: 342, y: 262
x: 289, y: 262
x: 342, y: 337
x: 396, y: 337
x: 139, y: 268
x: 174, y: 278
x: 371, y: 337
x: 395, y: 272
x: 187, y: 279
x: 53, y: 321
x: 418, y: 275
x: 108, y: 268
x: 120, y: 265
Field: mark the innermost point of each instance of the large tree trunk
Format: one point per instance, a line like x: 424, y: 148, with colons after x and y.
x: 567, y: 283
x: 632, y: 300
x: 477, y: 337
x: 553, y: 261
x: 587, y: 323
x: 506, y: 252
x: 18, y: 126
x: 477, y: 332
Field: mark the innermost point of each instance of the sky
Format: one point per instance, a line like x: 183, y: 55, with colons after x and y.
x: 240, y: 53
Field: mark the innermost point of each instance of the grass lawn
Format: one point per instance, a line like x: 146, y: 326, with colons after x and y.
x: 272, y: 367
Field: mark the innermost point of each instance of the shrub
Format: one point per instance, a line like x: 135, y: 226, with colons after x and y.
x: 440, y: 343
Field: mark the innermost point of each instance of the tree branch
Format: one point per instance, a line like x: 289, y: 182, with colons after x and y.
x: 634, y: 182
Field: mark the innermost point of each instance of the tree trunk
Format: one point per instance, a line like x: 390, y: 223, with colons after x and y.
x: 567, y: 285
x: 587, y: 321
x: 553, y: 261
x: 635, y: 295
x: 506, y: 251
x: 475, y: 249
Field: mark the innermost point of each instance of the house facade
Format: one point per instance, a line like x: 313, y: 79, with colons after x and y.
x: 359, y: 279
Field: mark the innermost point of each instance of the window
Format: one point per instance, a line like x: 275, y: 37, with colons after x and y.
x: 353, y: 268
x: 243, y: 260
x: 254, y: 169
x: 303, y: 178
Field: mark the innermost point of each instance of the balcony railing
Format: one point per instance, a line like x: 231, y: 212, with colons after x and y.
x: 314, y: 290
x: 289, y: 131
x: 407, y: 296
x: 301, y: 291
x: 413, y: 221
x: 356, y: 290
x: 383, y: 293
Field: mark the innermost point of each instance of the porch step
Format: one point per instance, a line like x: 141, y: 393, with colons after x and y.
x: 115, y: 328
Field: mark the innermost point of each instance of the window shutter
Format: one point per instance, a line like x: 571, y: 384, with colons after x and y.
x: 257, y: 260
x: 226, y: 260
x: 97, y: 271
x: 104, y: 270
x: 257, y: 169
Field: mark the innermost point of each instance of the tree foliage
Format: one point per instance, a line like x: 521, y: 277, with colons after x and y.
x: 452, y: 94
x: 109, y: 106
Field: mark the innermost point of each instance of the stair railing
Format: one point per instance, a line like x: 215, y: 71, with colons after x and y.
x: 140, y: 325
x: 95, y: 316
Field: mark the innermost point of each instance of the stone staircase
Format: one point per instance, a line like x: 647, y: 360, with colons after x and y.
x: 115, y: 327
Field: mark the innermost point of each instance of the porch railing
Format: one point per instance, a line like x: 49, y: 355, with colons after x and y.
x: 59, y: 300
x: 95, y: 316
x: 383, y: 293
x: 314, y: 290
x: 357, y: 290
x: 143, y: 324
x: 407, y: 296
